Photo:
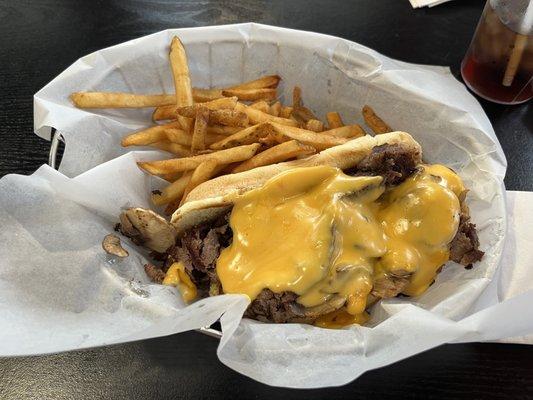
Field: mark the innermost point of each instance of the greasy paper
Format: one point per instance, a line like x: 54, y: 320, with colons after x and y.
x: 60, y: 291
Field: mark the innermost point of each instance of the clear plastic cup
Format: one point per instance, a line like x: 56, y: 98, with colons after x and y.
x: 498, y: 65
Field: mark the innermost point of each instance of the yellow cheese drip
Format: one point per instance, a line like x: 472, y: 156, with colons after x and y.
x: 318, y: 232
x: 176, y: 276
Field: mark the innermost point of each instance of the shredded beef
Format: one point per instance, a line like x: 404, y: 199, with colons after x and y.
x: 392, y: 161
x: 390, y: 285
x: 272, y: 307
x: 464, y: 248
x: 156, y: 274
x: 199, y: 249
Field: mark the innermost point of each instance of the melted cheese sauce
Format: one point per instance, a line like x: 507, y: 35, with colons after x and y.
x: 320, y: 233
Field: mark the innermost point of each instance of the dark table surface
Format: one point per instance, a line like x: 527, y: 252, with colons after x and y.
x: 38, y: 39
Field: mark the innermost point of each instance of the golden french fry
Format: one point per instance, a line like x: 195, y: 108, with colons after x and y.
x: 300, y: 113
x: 318, y: 140
x: 133, y: 100
x: 173, y: 148
x: 285, y: 112
x: 374, y: 122
x: 314, y: 125
x: 223, y: 130
x: 164, y: 112
x: 120, y: 100
x: 217, y: 104
x: 203, y: 172
x: 249, y: 135
x: 271, y: 140
x: 183, y: 138
x: 251, y: 94
x: 347, y: 131
x: 276, y: 154
x: 334, y: 120
x: 269, y: 81
x: 227, y: 156
x: 275, y: 109
x: 200, y: 130
x: 258, y: 117
x: 229, y: 118
x: 261, y: 105
x: 178, y: 136
x: 180, y: 73
x: 187, y: 124
x: 205, y: 95
x: 148, y: 136
x: 171, y: 192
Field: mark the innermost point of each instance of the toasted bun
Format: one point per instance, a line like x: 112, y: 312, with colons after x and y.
x: 213, y: 197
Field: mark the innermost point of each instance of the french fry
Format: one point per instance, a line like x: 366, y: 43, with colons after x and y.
x: 227, y: 156
x: 275, y: 109
x: 148, y: 136
x: 374, y: 122
x: 120, y: 100
x: 285, y: 112
x: 178, y: 136
x: 203, y: 172
x: 314, y: 125
x: 200, y: 130
x: 183, y: 138
x: 133, y: 100
x: 223, y: 130
x: 303, y: 114
x: 180, y: 73
x: 300, y: 113
x: 271, y: 140
x: 205, y: 95
x: 187, y: 124
x: 276, y: 154
x: 173, y: 191
x: 318, y: 141
x: 173, y: 148
x: 164, y: 112
x: 261, y: 105
x: 249, y: 135
x: 229, y: 118
x: 251, y: 94
x: 347, y: 131
x: 269, y: 81
x: 257, y: 117
x: 334, y: 120
x: 218, y: 104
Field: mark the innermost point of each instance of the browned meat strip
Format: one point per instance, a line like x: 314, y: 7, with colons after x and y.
x: 464, y: 248
x: 272, y: 307
x: 392, y: 161
x: 156, y: 274
x: 390, y: 285
x: 199, y: 249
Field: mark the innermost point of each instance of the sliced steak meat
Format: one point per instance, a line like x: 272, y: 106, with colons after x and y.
x: 464, y: 248
x: 199, y: 249
x: 272, y: 307
x: 391, y: 285
x: 156, y: 274
x: 392, y: 161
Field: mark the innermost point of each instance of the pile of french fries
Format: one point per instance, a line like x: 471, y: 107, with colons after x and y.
x: 223, y: 131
